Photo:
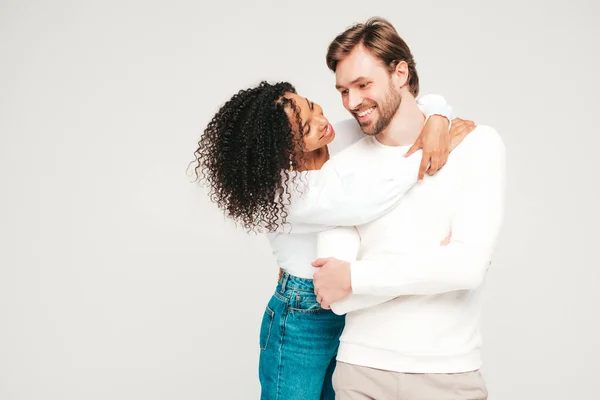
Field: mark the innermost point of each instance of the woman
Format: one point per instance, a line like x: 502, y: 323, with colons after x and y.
x: 265, y: 158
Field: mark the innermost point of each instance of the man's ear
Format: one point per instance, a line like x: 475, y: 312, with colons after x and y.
x: 400, y: 74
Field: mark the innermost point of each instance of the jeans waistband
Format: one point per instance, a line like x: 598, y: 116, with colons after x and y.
x: 287, y: 281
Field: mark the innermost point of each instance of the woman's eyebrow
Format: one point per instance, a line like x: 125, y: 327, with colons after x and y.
x: 310, y: 105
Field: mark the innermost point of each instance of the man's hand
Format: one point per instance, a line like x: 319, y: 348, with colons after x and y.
x: 460, y: 129
x: 332, y: 281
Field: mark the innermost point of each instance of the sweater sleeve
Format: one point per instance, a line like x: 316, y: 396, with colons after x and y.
x: 350, y: 191
x: 475, y: 227
x: 343, y: 243
x: 434, y: 104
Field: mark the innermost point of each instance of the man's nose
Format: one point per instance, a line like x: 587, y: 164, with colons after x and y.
x: 354, y: 99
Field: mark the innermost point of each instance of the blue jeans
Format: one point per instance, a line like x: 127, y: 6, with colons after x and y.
x: 298, y: 344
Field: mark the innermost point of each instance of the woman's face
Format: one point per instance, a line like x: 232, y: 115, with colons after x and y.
x: 315, y: 129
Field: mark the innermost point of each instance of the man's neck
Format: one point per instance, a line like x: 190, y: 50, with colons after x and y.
x: 406, y: 125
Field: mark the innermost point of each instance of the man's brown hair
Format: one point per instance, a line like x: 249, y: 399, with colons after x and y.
x: 381, y: 39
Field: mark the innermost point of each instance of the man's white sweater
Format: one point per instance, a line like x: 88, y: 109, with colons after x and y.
x: 416, y: 304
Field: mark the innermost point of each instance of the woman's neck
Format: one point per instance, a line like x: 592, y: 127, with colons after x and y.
x: 313, y: 160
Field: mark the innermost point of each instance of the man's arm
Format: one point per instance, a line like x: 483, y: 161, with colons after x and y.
x: 463, y: 262
x: 354, y: 302
x: 343, y: 243
x: 347, y: 194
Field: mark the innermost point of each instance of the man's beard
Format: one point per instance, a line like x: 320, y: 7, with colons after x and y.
x: 387, y: 109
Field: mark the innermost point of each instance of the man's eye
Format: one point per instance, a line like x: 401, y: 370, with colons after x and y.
x: 363, y: 85
x: 344, y: 92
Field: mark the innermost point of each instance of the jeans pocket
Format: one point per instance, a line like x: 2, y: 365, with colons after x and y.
x: 305, y: 303
x: 265, y: 328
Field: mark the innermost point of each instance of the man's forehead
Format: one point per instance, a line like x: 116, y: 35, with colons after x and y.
x: 356, y: 66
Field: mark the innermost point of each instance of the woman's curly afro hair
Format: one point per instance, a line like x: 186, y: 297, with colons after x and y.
x: 245, y: 154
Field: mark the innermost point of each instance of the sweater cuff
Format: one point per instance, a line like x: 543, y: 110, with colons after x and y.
x: 434, y: 104
x: 360, y: 278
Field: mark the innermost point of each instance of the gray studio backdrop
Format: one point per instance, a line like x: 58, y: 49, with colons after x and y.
x: 120, y: 280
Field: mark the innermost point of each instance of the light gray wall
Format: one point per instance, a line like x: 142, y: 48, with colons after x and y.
x: 120, y: 280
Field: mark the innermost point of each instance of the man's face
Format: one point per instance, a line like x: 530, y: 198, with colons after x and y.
x: 369, y: 92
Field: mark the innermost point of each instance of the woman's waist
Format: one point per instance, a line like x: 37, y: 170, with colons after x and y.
x: 288, y: 280
x: 304, y: 271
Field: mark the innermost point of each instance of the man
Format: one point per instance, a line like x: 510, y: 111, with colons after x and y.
x: 413, y: 303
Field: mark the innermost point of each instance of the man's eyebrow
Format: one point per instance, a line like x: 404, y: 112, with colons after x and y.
x: 360, y: 78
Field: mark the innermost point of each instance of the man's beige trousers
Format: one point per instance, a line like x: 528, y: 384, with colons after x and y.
x: 352, y: 382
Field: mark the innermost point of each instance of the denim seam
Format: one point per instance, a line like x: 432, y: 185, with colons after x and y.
x: 293, y: 305
x: 271, y: 317
x: 299, y: 289
x: 281, y: 355
x: 284, y: 280
x: 302, y: 311
x: 281, y: 297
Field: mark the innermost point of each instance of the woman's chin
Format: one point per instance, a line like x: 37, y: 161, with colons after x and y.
x: 329, y: 138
